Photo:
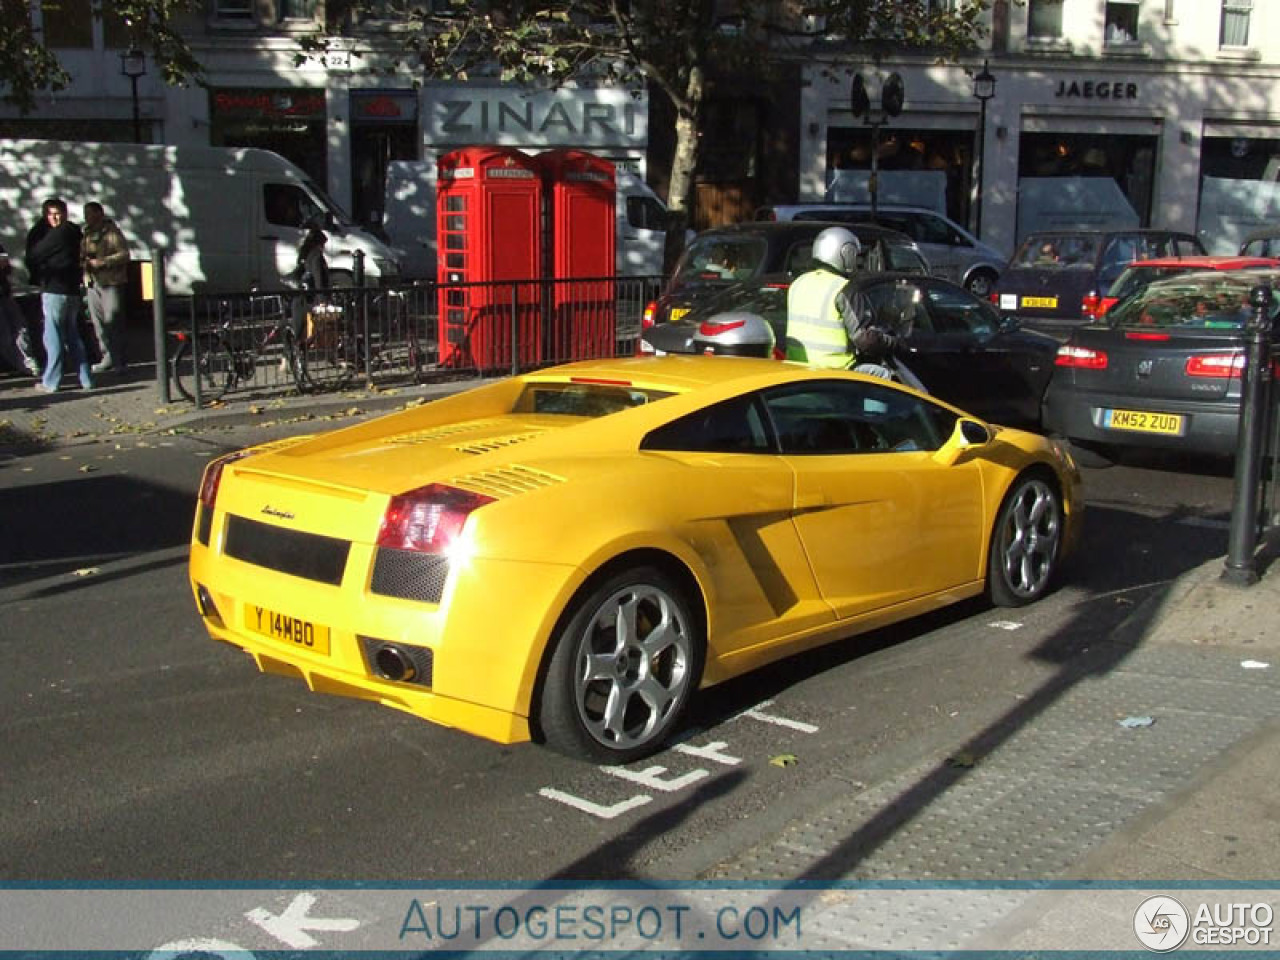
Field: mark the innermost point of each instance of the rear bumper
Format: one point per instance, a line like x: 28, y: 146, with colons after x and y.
x: 1078, y: 414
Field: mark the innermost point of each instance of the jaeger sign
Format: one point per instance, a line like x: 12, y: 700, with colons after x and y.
x: 1097, y: 89
x: 465, y: 115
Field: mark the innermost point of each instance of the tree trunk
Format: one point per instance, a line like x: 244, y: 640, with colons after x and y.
x: 683, y: 166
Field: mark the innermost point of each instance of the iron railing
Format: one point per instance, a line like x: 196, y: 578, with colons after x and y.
x: 331, y: 339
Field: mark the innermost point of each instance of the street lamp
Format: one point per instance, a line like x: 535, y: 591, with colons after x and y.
x: 133, y: 64
x: 984, y: 88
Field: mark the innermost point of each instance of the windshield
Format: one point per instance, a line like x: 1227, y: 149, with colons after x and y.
x: 1190, y: 302
x: 1058, y: 251
x: 720, y: 258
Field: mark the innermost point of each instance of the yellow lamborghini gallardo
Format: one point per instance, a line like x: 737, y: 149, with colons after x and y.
x: 569, y: 555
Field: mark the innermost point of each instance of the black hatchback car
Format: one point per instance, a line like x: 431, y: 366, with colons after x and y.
x: 1163, y: 368
x: 768, y: 253
x: 1053, y: 272
x: 956, y: 343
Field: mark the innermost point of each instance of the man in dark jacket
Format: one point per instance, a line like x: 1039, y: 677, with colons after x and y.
x: 53, y: 260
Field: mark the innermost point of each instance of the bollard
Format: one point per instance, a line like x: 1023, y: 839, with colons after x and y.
x: 159, y: 325
x: 1242, y: 541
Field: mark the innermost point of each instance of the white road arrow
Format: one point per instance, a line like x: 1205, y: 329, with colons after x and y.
x: 289, y: 926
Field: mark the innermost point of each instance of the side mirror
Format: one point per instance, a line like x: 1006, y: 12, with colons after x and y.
x: 968, y: 435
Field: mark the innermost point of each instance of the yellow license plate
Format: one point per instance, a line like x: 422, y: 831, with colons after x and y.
x: 678, y: 312
x: 1049, y: 302
x: 1142, y: 421
x: 277, y: 626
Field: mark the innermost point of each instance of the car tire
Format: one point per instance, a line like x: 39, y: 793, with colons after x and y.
x: 980, y: 283
x: 611, y: 698
x: 1026, y: 542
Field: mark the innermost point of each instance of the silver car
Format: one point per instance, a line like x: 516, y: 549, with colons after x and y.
x: 952, y: 251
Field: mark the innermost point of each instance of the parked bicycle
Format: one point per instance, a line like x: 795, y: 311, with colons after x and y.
x: 347, y: 336
x: 248, y: 334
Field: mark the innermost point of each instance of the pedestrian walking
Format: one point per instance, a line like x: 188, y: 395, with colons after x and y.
x: 104, y: 254
x: 311, y: 274
x: 15, y: 338
x: 53, y: 260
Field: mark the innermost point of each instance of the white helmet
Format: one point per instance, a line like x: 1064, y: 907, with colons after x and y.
x: 838, y: 248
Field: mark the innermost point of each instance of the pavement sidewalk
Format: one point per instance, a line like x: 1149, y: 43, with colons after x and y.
x: 133, y: 405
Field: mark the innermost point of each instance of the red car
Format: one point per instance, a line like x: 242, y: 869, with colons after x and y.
x: 1141, y: 272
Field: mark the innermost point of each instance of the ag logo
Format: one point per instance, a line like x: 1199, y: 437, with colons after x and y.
x: 1161, y: 924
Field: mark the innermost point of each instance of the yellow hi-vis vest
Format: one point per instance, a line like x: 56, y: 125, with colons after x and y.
x: 814, y: 322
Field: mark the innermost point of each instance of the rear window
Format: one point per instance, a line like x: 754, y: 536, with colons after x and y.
x: 578, y: 399
x: 1196, y: 302
x: 721, y: 258
x: 1058, y: 252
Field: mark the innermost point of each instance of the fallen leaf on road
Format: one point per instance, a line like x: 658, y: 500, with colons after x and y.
x: 87, y: 468
x: 964, y: 760
x: 86, y: 571
x: 784, y: 760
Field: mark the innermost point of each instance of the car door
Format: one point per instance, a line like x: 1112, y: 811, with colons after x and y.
x: 881, y: 521
x: 736, y: 504
x: 978, y: 361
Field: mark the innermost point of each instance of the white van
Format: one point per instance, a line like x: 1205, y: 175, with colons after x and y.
x: 228, y: 219
x: 409, y: 220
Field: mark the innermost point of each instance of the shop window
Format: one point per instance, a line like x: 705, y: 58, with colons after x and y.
x: 233, y: 10
x: 1044, y: 19
x: 1235, y: 23
x: 67, y: 23
x: 116, y: 32
x: 296, y: 9
x: 1121, y: 27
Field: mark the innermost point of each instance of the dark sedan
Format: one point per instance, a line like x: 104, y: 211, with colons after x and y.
x: 767, y: 253
x: 958, y: 345
x: 1054, y: 273
x: 1163, y: 368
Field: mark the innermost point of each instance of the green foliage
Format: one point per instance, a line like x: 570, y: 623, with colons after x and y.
x: 27, y: 67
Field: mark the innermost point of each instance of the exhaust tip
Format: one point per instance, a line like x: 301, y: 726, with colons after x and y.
x: 392, y: 663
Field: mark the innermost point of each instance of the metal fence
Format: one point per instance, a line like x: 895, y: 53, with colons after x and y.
x: 330, y: 339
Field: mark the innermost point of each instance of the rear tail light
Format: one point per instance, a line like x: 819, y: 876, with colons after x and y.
x: 1089, y: 305
x: 429, y: 519
x: 1140, y: 335
x: 994, y: 297
x: 213, y: 476
x: 647, y: 320
x: 1070, y: 355
x: 1216, y: 365
x: 1106, y: 304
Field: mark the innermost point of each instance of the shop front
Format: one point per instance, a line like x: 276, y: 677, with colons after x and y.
x: 288, y: 121
x: 384, y: 128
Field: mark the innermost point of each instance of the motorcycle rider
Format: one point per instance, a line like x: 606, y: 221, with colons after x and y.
x: 833, y: 326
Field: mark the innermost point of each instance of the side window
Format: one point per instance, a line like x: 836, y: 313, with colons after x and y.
x: 645, y: 213
x: 800, y: 258
x: 955, y: 312
x: 935, y: 230
x: 847, y: 417
x: 287, y: 205
x: 732, y: 426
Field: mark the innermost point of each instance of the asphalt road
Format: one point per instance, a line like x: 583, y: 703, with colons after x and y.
x: 132, y: 747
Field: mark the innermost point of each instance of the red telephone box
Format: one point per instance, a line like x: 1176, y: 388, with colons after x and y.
x: 489, y: 230
x: 581, y: 195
